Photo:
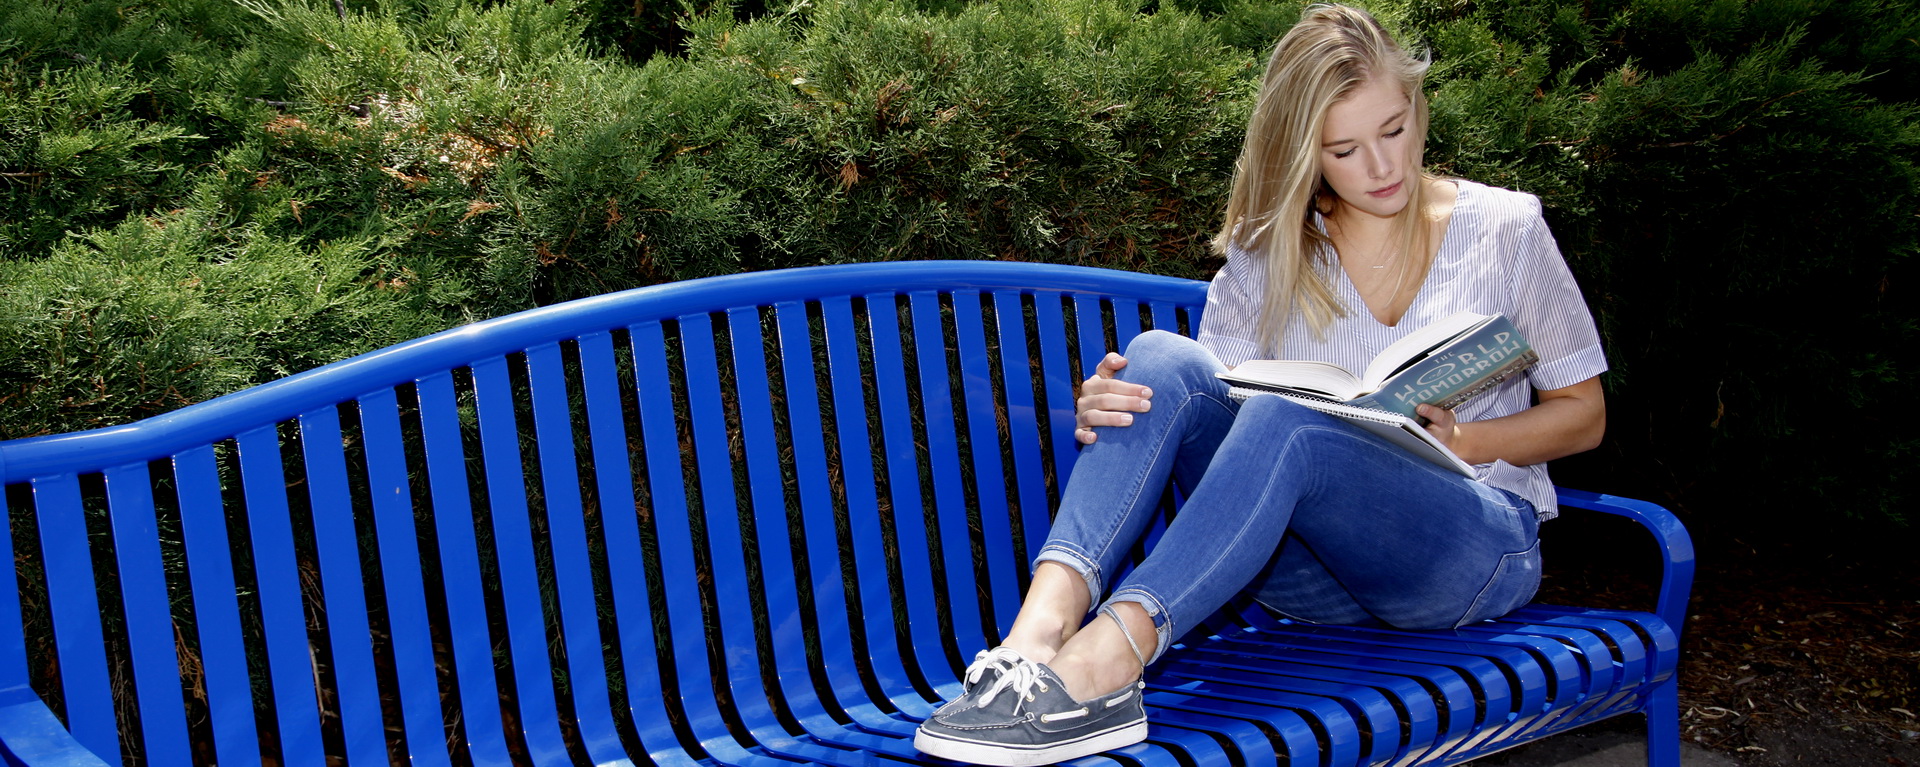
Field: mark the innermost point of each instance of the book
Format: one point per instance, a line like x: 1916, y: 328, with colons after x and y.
x: 1443, y: 364
x: 1393, y: 427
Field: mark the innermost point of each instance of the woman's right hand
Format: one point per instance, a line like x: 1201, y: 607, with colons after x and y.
x: 1108, y: 401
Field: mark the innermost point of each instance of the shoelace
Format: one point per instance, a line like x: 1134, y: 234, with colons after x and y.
x: 1020, y: 679
x: 999, y: 659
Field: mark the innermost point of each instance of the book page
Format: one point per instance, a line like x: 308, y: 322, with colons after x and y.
x: 1417, y: 344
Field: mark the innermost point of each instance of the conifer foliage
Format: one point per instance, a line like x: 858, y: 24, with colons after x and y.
x: 200, y: 195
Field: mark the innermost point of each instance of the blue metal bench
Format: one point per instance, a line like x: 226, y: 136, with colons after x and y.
x: 753, y: 520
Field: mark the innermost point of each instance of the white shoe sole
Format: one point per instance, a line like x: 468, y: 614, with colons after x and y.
x: 1001, y: 755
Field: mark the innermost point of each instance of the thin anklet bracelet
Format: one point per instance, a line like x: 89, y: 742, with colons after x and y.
x: 1108, y: 611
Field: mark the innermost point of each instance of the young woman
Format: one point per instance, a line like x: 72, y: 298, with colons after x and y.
x: 1337, y: 244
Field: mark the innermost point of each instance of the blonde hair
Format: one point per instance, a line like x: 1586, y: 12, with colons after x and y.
x: 1277, y: 183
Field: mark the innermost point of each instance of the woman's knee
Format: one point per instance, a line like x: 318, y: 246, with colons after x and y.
x: 1159, y: 354
x: 1278, y: 413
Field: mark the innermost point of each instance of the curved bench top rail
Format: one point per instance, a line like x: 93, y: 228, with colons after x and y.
x: 223, y: 417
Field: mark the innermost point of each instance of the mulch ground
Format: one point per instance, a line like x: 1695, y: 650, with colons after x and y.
x: 1796, y: 652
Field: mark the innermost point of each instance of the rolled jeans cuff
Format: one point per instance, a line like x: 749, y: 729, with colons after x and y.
x: 1162, y: 624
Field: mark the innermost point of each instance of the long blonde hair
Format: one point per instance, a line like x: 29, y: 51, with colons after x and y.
x: 1277, y: 183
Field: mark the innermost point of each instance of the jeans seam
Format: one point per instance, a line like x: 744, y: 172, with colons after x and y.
x: 1138, y: 481
x: 1246, y: 520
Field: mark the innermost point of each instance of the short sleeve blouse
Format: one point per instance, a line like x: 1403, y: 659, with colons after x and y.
x: 1496, y: 256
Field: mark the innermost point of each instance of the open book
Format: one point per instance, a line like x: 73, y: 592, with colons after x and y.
x: 1443, y: 364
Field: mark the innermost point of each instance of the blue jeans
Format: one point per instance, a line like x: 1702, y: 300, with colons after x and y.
x: 1321, y: 520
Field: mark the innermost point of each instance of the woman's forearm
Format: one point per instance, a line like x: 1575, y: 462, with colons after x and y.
x: 1565, y: 421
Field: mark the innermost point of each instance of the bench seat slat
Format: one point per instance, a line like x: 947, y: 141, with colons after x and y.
x: 72, y: 593
x: 1050, y: 320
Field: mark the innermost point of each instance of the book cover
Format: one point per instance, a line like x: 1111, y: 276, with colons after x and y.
x: 1443, y: 364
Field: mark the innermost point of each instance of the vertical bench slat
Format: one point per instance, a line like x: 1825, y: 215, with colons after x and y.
x: 903, y: 485
x: 1058, y: 391
x: 30, y: 732
x: 143, y: 591
x: 1166, y: 317
x: 282, y: 605
x: 398, y: 539
x: 620, y: 527
x: 342, y: 582
x: 713, y: 453
x: 764, y: 482
x: 1126, y: 321
x: 863, y: 505
x: 949, y: 497
x: 1017, y: 373
x: 567, y: 540
x: 13, y: 632
x: 74, y: 600
x: 989, y: 473
x: 1090, y: 330
x: 812, y: 473
x: 467, y: 632
x: 513, y: 550
x: 792, y: 673
x: 673, y: 531
x: 223, y: 654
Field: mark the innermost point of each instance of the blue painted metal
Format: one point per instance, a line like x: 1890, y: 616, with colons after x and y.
x: 336, y: 540
x: 755, y: 481
x: 203, y: 523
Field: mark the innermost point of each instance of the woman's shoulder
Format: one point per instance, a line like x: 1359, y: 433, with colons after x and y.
x: 1496, y: 205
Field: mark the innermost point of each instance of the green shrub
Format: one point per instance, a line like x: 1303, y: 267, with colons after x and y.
x: 161, y: 312
x: 1733, y: 182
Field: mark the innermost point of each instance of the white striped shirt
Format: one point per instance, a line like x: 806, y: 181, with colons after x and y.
x: 1496, y: 256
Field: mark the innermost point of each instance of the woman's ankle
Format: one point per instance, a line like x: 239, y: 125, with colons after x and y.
x: 1039, y: 646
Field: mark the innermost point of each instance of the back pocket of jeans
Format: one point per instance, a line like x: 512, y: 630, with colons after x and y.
x: 1513, y: 583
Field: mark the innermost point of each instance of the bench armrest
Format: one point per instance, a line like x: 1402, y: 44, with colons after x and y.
x: 1676, y: 546
x: 31, y: 735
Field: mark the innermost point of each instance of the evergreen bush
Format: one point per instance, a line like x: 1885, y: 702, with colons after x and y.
x: 198, y: 195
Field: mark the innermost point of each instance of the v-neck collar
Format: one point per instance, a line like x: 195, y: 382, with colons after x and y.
x: 1350, y: 294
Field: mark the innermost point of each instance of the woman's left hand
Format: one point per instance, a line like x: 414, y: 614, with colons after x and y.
x: 1563, y: 422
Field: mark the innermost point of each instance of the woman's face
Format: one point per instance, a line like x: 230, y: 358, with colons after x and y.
x: 1365, y: 150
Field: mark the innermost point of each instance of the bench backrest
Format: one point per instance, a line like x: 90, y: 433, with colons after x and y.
x: 834, y: 475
